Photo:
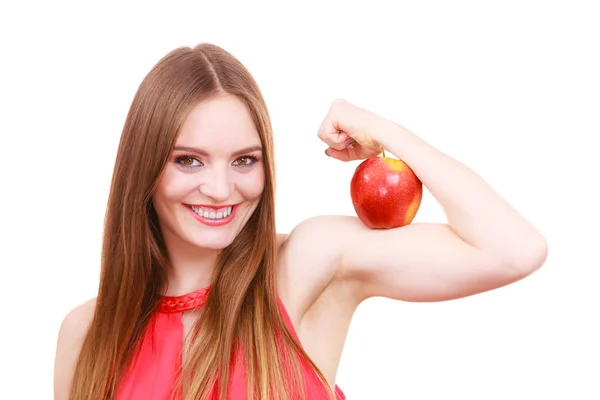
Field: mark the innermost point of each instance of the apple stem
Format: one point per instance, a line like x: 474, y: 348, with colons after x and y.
x: 382, y: 152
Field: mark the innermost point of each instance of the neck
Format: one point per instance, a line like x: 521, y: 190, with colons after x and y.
x: 190, y: 267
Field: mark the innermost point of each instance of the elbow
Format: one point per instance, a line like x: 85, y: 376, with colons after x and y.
x: 530, y: 256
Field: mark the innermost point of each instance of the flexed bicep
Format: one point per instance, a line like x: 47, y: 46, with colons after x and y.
x: 420, y: 262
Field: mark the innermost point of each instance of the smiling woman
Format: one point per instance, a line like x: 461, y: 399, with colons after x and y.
x: 200, y: 298
x: 216, y: 177
x: 188, y: 304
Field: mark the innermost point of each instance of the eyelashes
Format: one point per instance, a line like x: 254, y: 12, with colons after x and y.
x: 249, y: 161
x: 191, y: 161
x: 187, y: 161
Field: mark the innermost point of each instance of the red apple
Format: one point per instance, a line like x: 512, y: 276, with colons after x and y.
x: 385, y: 193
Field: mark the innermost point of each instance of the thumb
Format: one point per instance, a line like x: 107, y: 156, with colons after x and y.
x: 347, y: 154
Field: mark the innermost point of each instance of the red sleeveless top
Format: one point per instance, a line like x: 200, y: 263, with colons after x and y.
x: 155, y: 365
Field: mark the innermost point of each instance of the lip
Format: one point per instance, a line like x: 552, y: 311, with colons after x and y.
x: 212, y: 206
x: 213, y: 222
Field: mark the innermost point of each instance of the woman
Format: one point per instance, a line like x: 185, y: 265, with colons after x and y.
x: 199, y: 297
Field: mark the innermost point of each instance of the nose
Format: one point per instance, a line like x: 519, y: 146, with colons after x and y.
x: 217, y: 186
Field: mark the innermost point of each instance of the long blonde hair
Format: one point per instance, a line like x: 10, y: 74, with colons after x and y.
x: 241, y: 311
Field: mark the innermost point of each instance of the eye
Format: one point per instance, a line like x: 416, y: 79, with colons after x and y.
x: 245, y: 161
x: 188, y: 161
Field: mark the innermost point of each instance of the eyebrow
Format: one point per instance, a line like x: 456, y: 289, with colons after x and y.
x: 203, y: 153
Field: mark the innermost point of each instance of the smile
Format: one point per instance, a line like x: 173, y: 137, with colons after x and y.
x: 212, y: 215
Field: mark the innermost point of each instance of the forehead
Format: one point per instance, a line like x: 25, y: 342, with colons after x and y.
x: 217, y: 124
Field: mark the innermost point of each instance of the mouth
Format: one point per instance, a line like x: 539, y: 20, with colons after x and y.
x: 213, y: 216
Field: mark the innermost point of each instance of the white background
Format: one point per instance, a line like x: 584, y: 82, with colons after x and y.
x: 510, y: 88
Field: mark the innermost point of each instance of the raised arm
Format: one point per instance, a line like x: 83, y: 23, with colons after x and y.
x: 486, y: 243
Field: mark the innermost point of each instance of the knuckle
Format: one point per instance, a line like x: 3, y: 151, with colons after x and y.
x: 338, y: 101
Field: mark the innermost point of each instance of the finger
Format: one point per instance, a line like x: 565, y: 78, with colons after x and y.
x: 337, y: 140
x: 326, y: 129
x: 332, y: 136
x: 347, y: 154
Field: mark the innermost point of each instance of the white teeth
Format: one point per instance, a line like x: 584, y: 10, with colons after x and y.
x: 211, y: 213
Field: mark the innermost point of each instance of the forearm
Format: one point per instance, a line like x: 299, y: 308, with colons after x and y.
x: 479, y: 215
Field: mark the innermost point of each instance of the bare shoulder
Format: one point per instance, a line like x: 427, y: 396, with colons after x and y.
x: 308, y: 263
x: 70, y: 338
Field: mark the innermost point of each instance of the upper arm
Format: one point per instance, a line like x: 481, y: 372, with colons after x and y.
x: 70, y: 337
x: 417, y: 262
x: 420, y: 262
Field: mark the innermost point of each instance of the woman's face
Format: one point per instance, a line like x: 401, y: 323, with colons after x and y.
x: 215, y: 177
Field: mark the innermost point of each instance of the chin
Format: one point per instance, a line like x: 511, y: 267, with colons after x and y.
x: 216, y: 245
x: 211, y: 241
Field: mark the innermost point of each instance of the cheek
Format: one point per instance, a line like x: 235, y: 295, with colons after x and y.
x: 173, y: 187
x: 251, y: 186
